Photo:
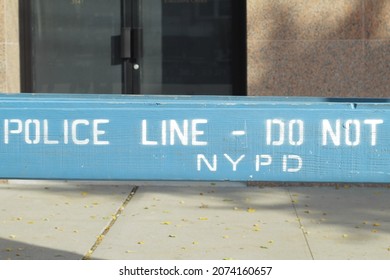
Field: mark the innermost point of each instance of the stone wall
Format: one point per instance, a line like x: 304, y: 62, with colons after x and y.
x: 329, y: 48
x: 9, y: 47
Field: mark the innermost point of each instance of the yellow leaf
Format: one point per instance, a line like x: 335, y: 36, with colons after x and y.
x: 140, y: 242
x: 172, y: 236
x: 203, y: 219
x: 225, y: 237
x: 166, y: 223
x: 377, y: 225
x: 251, y: 210
x: 345, y: 235
x: 12, y: 236
x: 84, y: 193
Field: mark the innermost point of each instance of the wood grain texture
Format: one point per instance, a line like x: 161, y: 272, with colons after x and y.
x: 112, y: 137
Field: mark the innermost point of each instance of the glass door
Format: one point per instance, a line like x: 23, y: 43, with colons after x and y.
x: 192, y: 47
x: 70, y: 46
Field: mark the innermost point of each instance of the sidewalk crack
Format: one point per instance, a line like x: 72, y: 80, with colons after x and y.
x: 101, y: 236
x: 301, y: 225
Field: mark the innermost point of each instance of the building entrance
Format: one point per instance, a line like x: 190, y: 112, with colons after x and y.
x: 134, y: 46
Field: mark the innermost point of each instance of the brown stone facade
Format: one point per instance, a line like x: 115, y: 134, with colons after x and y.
x: 325, y: 48
x: 9, y: 47
x: 328, y: 48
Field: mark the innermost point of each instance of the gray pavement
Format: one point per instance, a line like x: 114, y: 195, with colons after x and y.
x: 198, y: 220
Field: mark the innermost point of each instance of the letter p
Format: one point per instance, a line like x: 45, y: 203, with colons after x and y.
x: 7, y: 131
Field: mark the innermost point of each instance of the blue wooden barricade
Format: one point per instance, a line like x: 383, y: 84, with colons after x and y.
x: 116, y: 137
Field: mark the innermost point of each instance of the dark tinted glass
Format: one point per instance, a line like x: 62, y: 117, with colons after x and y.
x: 71, y: 46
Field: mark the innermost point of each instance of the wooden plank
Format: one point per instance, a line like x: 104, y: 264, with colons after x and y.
x: 111, y: 137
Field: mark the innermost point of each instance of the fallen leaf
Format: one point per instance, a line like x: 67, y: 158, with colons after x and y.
x: 130, y: 251
x: 203, y: 218
x: 271, y: 242
x: 195, y: 242
x: 256, y: 227
x: 100, y: 238
x: 172, y: 236
x: 141, y: 242
x: 225, y: 237
x: 227, y: 259
x: 251, y: 210
x: 166, y: 223
x: 12, y: 236
x: 84, y: 193
x: 376, y: 225
x: 263, y: 247
x: 345, y: 235
x: 374, y: 231
x: 203, y: 206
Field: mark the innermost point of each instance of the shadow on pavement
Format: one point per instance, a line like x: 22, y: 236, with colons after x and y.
x: 13, y: 250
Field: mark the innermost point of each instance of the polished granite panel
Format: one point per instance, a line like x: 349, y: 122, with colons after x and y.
x: 377, y: 68
x: 332, y: 68
x: 305, y: 19
x: 3, y: 82
x: 12, y: 68
x: 2, y: 21
x: 11, y: 11
x: 377, y: 19
x: 319, y: 48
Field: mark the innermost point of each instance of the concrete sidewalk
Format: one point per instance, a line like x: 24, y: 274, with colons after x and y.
x: 180, y: 220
